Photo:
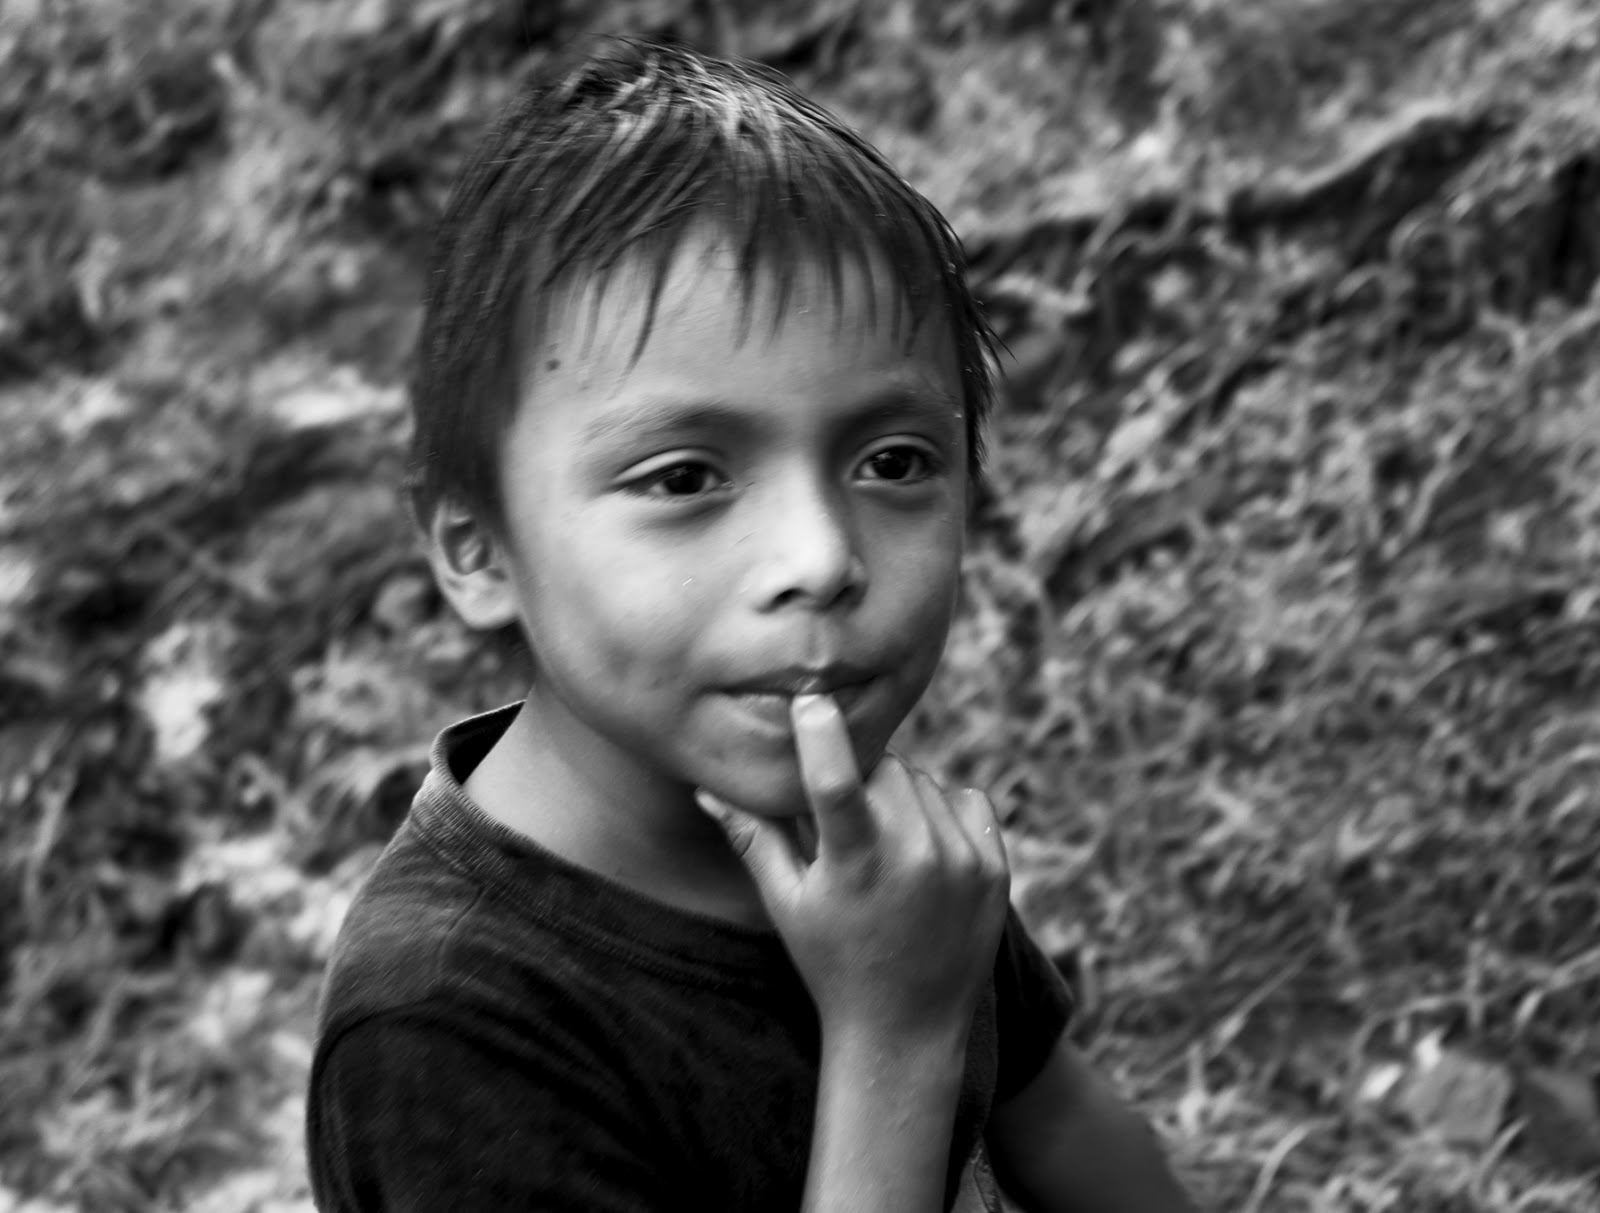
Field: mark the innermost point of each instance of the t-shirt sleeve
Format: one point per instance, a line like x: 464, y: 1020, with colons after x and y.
x: 407, y: 1115
x: 1033, y: 1006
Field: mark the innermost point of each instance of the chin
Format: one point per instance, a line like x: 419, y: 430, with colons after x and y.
x: 775, y: 799
x: 777, y: 794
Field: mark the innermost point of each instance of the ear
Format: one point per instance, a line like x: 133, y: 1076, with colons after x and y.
x: 470, y: 569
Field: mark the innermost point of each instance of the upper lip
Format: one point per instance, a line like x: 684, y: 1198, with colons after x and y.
x: 803, y: 680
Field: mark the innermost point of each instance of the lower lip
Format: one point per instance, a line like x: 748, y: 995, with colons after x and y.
x: 772, y: 710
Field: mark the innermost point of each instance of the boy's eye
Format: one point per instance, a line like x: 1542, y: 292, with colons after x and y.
x: 684, y: 479
x: 898, y: 463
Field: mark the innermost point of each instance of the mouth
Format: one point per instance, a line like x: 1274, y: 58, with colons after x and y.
x: 767, y: 698
x: 836, y: 679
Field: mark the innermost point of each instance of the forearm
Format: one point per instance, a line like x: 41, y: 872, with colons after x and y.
x: 1100, y: 1158
x: 1110, y: 1164
x: 1069, y: 1142
x: 885, y: 1113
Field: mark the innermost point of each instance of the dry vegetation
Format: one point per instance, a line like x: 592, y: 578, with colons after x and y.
x: 1282, y: 639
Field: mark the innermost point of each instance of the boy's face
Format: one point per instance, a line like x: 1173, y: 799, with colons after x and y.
x: 763, y: 503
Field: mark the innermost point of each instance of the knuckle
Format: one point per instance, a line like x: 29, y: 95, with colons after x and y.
x: 1001, y: 869
x: 890, y: 766
x: 741, y: 839
x: 1000, y: 884
x: 833, y: 788
x: 995, y: 866
x: 920, y: 849
x: 971, y: 879
x: 967, y: 861
x: 977, y: 802
x: 969, y: 814
x: 895, y: 776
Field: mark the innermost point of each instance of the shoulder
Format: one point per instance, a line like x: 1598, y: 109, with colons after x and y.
x: 426, y: 917
x: 422, y: 932
x: 456, y: 1060
x: 395, y: 936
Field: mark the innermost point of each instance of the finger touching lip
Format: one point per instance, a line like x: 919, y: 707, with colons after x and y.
x: 772, y: 707
x: 825, y: 679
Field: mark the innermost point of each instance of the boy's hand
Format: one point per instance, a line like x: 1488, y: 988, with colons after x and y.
x: 894, y: 925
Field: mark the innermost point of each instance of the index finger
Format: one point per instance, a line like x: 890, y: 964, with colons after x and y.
x: 829, y: 774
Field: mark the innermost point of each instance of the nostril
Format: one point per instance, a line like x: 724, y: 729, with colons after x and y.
x: 843, y: 584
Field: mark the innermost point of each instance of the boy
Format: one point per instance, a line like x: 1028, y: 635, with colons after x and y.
x: 699, y: 407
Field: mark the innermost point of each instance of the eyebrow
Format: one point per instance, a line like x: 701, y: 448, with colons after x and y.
x: 911, y: 402
x: 655, y: 418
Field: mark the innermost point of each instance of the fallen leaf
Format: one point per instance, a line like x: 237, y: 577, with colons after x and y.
x: 1455, y: 1096
x: 1381, y: 1082
x: 1560, y: 1114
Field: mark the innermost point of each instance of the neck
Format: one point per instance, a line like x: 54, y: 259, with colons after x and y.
x: 600, y: 808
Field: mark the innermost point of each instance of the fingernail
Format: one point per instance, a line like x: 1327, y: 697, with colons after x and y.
x: 710, y: 805
x: 812, y: 705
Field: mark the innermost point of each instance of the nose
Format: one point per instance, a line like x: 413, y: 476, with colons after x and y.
x: 810, y: 550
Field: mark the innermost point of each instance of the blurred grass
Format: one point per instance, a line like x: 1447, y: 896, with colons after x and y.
x: 1281, y: 640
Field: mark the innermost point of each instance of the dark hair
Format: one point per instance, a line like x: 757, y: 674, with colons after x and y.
x: 616, y: 152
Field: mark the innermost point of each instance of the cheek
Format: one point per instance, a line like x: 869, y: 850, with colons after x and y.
x: 928, y: 574
x: 627, y: 620
x: 931, y: 588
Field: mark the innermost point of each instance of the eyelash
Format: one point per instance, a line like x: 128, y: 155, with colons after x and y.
x: 926, y: 463
x: 646, y: 485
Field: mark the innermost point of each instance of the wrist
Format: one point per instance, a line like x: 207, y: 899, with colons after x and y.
x: 886, y: 1103
x: 924, y: 1053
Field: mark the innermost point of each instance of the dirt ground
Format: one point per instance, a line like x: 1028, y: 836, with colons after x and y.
x: 1281, y: 638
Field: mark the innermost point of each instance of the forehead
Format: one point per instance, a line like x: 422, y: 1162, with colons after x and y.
x: 707, y: 299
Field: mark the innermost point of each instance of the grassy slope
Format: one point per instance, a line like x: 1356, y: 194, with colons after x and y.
x: 1281, y: 643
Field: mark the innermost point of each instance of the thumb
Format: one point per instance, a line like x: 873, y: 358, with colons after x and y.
x: 767, y: 851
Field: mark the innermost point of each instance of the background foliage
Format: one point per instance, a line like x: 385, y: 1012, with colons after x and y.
x: 1281, y: 645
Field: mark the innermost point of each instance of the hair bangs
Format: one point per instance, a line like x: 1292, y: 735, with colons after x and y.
x: 619, y: 157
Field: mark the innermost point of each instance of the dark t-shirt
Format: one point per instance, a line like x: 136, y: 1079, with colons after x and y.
x: 501, y: 1029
